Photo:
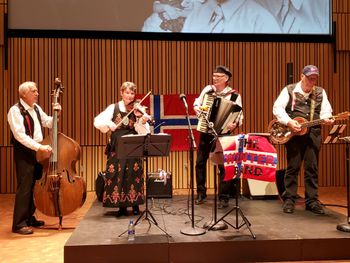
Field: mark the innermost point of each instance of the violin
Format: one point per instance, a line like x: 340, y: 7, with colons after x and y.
x: 137, y: 108
x: 140, y: 111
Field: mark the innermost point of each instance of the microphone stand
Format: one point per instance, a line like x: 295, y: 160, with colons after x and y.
x: 191, y: 230
x: 214, y: 224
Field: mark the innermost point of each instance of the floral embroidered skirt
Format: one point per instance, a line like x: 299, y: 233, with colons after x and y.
x: 124, y: 183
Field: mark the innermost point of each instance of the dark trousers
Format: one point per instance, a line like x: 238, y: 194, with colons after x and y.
x: 302, y: 149
x: 27, y: 170
x: 204, y: 148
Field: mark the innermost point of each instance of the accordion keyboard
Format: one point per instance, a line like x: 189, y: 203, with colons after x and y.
x: 208, y: 101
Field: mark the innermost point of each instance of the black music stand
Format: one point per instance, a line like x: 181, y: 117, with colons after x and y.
x: 149, y: 145
x: 346, y: 227
x: 334, y: 133
x: 237, y: 209
x: 332, y: 138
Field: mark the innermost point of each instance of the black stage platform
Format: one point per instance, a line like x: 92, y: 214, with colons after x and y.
x: 279, y: 237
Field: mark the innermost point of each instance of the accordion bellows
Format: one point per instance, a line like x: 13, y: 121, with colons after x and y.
x: 217, y: 113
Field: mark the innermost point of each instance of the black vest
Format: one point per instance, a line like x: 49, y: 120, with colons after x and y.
x: 26, y: 118
x: 302, y: 106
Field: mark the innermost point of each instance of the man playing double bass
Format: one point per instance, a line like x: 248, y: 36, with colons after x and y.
x: 26, y: 120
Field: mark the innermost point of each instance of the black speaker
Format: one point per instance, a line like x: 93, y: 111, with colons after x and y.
x: 159, y: 185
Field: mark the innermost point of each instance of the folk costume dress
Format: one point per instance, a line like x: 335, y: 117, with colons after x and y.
x: 124, y: 177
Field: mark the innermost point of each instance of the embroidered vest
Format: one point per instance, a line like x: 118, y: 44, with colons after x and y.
x: 299, y: 106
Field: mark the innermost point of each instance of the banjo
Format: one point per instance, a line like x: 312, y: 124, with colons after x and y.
x: 280, y: 133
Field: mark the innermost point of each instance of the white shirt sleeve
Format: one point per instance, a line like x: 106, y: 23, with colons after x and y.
x: 104, y: 120
x: 142, y: 128
x: 199, y: 101
x: 279, y: 107
x: 46, y: 121
x: 15, y: 120
x: 326, y: 108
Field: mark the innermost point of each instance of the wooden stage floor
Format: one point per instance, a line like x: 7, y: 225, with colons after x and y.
x: 91, y: 234
x: 279, y: 237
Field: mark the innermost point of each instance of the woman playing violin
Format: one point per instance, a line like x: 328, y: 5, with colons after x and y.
x: 124, y: 177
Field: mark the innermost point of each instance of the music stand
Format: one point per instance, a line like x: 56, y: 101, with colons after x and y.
x: 237, y: 209
x: 149, y: 145
x: 334, y: 133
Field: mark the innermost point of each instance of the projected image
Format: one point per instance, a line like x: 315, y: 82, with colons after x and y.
x: 240, y: 16
x: 306, y: 17
x: 300, y: 16
x: 169, y: 15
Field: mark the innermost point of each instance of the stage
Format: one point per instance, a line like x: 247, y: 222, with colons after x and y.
x: 279, y: 236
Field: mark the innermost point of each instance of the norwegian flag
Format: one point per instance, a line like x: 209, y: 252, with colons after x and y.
x: 249, y: 156
x: 169, y: 114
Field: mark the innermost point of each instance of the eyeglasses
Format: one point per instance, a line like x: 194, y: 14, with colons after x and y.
x: 218, y: 75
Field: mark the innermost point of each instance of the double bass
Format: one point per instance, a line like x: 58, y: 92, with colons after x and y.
x: 60, y: 190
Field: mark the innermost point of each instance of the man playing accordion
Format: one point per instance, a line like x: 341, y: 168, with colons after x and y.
x: 220, y: 106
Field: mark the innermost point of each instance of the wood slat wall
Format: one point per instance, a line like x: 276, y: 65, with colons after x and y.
x: 93, y: 69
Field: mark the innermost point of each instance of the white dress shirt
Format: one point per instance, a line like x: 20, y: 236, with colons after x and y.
x: 15, y: 120
x: 279, y: 107
x: 103, y: 121
x: 239, y: 16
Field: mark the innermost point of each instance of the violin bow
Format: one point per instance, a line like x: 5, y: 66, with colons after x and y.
x: 139, y: 103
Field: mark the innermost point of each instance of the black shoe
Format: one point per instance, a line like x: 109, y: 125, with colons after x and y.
x: 24, y: 231
x: 35, y: 223
x: 288, y: 206
x: 122, y: 212
x: 315, y: 207
x: 200, y: 200
x: 223, y: 204
x: 136, y: 210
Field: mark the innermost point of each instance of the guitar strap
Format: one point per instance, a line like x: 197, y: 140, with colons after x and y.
x: 313, y: 102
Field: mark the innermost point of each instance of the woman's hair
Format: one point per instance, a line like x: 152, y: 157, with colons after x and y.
x: 128, y: 85
x: 25, y: 86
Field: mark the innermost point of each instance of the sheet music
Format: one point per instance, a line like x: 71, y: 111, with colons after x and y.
x: 143, y: 135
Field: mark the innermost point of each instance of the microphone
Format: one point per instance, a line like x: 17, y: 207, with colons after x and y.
x: 183, y: 98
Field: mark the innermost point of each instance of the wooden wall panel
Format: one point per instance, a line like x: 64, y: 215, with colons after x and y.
x: 340, y: 6
x: 93, y: 69
x: 2, y: 22
x: 342, y: 31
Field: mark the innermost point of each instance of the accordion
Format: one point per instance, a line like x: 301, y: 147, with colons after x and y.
x: 220, y: 112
